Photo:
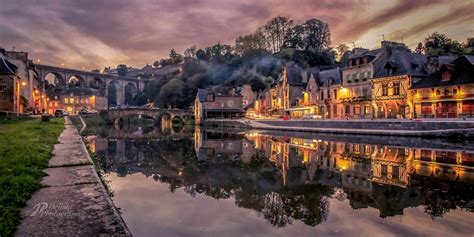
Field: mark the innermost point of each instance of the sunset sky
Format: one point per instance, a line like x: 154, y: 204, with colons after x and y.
x: 97, y: 33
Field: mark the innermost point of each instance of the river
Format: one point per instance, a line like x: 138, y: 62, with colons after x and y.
x: 208, y: 182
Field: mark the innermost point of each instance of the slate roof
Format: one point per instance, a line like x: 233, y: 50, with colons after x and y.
x: 333, y: 76
x: 201, y: 95
x: 294, y: 76
x: 407, y: 63
x: 462, y: 72
x: 6, y: 67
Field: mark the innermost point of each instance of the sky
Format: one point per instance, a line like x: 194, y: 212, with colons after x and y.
x: 92, y: 34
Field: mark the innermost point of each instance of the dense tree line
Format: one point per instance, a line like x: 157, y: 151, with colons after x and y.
x: 257, y: 59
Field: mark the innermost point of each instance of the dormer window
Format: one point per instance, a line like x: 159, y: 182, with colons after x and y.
x: 446, y: 76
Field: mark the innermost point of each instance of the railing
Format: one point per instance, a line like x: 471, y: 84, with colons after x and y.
x: 356, y: 99
x: 390, y: 97
x: 11, y: 115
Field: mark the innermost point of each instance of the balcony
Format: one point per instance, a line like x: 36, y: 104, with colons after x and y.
x: 356, y: 99
x: 390, y: 97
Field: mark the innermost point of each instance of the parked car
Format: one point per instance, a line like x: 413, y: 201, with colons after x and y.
x: 312, y: 116
x: 60, y: 113
x: 85, y: 112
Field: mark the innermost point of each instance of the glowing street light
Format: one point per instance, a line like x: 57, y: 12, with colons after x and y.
x: 23, y: 83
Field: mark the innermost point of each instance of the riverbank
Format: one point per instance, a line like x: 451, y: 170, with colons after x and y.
x: 25, y: 149
x: 411, y: 128
x: 73, y: 200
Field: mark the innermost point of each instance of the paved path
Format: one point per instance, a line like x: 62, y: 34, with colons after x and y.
x: 73, y: 200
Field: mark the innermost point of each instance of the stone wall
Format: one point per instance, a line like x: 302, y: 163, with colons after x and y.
x: 375, y: 125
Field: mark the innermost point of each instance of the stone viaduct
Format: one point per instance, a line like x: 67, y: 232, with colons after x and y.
x: 102, y: 82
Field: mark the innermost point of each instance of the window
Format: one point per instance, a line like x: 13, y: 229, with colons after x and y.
x: 384, y: 89
x: 365, y: 92
x: 357, y: 109
x: 367, y: 109
x: 384, y: 171
x: 71, y: 100
x: 438, y: 92
x: 3, y: 88
x: 357, y: 148
x: 66, y: 100
x: 335, y: 94
x: 396, y: 173
x: 329, y: 94
x: 348, y: 109
x: 322, y: 95
x: 230, y: 103
x: 396, y: 88
x: 455, y: 91
x: 222, y: 104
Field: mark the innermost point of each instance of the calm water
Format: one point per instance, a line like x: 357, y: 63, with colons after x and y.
x: 195, y: 182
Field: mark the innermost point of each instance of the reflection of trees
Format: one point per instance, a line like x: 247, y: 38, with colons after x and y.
x: 257, y: 185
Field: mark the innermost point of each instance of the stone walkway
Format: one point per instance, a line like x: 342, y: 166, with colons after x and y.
x: 73, y: 200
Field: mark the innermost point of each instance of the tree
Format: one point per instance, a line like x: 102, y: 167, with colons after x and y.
x: 342, y: 51
x: 156, y: 64
x: 252, y: 44
x: 437, y: 43
x: 419, y: 48
x: 173, y: 54
x: 172, y: 94
x: 202, y: 54
x: 122, y: 70
x: 190, y: 52
x: 469, y: 46
x: 275, y: 30
x: 294, y: 38
x: 257, y: 84
x: 316, y: 34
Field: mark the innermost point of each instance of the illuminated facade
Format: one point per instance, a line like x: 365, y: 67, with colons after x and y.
x: 446, y: 93
x: 390, y: 93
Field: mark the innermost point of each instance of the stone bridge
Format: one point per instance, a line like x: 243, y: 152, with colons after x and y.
x: 112, y: 86
x: 158, y: 115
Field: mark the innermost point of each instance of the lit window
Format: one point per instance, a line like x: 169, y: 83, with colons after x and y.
x: 66, y: 100
x: 71, y: 100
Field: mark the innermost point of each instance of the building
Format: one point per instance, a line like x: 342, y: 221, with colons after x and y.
x: 331, y: 92
x: 446, y: 93
x: 9, y: 86
x: 32, y: 93
x: 390, y: 92
x: 211, y: 105
x: 363, y: 65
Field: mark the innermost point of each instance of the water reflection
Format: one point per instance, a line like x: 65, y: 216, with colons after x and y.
x: 293, y: 177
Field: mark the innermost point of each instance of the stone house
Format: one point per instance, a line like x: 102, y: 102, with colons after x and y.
x: 31, y: 89
x: 211, y: 105
x: 446, y: 93
x: 9, y: 84
x: 362, y: 66
x: 390, y: 92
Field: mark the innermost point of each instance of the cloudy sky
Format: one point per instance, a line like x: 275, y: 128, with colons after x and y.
x: 98, y: 33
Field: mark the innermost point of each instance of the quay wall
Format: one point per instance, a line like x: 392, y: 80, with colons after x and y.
x: 412, y: 125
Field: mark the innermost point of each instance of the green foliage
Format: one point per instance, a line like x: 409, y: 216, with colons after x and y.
x: 122, y: 70
x: 24, y: 152
x: 172, y: 94
x: 437, y: 44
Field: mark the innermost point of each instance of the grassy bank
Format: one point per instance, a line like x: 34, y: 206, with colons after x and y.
x: 25, y: 148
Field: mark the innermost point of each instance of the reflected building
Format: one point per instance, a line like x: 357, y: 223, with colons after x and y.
x: 255, y: 167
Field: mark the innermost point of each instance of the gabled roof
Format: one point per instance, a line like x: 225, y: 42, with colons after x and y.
x: 201, y: 95
x: 331, y: 76
x: 470, y: 58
